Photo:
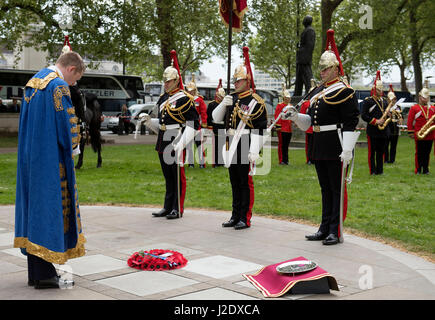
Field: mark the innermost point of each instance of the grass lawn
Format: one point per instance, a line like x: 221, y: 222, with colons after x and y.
x: 397, y: 207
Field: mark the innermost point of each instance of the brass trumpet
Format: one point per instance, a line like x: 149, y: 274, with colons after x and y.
x: 426, y: 129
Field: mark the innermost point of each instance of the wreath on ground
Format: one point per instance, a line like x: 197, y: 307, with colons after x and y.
x: 157, y: 260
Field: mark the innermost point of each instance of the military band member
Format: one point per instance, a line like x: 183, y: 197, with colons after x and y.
x: 176, y: 114
x: 333, y: 113
x: 218, y: 128
x: 247, y: 116
x: 393, y: 128
x: 419, y: 115
x: 201, y: 108
x: 283, y: 129
x: 373, y: 109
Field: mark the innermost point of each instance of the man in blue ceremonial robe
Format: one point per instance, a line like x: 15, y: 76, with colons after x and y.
x: 47, y: 217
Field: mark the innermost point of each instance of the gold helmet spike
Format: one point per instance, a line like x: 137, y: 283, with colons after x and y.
x: 331, y: 56
x: 424, y: 93
x: 240, y: 73
x: 170, y: 73
x: 285, y: 93
x: 191, y: 86
x: 221, y: 92
x: 66, y: 46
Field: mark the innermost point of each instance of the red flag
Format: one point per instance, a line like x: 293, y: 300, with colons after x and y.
x: 239, y: 9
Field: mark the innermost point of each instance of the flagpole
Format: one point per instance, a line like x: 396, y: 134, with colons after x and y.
x: 230, y: 40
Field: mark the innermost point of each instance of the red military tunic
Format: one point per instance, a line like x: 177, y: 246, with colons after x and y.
x: 417, y: 117
x: 201, y: 107
x: 284, y: 125
x: 284, y: 132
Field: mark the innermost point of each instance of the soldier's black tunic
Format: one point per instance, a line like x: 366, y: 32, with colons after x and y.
x: 241, y: 182
x: 338, y: 107
x: 176, y: 110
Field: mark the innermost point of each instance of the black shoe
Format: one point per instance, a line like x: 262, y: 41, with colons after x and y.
x: 191, y: 166
x: 316, y: 236
x: 330, y: 240
x: 174, y: 215
x: 230, y: 223
x: 202, y: 166
x: 240, y: 225
x: 52, y: 283
x: 31, y: 283
x: 161, y: 213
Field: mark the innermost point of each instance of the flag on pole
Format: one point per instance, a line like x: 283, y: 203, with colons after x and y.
x: 239, y: 9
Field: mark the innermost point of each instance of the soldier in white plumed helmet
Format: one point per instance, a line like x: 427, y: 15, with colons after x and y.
x: 333, y: 113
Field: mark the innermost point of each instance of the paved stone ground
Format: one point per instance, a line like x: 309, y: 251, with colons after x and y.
x: 217, y: 259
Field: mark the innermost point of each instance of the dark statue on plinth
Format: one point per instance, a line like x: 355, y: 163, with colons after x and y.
x: 304, y: 57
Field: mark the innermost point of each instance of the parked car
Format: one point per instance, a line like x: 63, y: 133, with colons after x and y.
x: 135, y: 110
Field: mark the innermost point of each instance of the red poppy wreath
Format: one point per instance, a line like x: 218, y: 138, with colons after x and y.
x: 157, y: 260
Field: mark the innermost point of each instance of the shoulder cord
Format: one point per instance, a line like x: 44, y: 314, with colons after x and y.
x: 328, y: 99
x: 247, y: 119
x: 178, y: 111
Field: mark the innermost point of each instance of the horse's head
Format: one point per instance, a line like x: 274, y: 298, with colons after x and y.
x: 78, y: 101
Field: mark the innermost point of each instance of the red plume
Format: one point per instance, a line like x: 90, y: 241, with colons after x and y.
x: 248, y: 67
x: 378, y: 77
x: 66, y: 42
x: 175, y: 61
x: 391, y: 88
x: 217, y: 88
x: 330, y: 45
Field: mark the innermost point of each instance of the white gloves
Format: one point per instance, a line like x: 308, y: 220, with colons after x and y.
x: 218, y: 113
x: 227, y: 100
x: 290, y: 113
x: 349, y: 140
x: 187, y: 136
x: 151, y: 123
x: 346, y: 156
x: 76, y: 151
x: 255, y: 147
x: 144, y: 117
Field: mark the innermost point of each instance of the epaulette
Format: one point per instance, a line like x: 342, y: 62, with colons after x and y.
x: 41, y: 83
x: 258, y: 98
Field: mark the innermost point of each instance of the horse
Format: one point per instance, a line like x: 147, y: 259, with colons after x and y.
x: 89, y: 114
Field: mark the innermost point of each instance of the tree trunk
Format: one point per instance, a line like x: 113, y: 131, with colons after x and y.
x: 165, y: 30
x: 403, y: 86
x: 327, y: 9
x: 415, y: 50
